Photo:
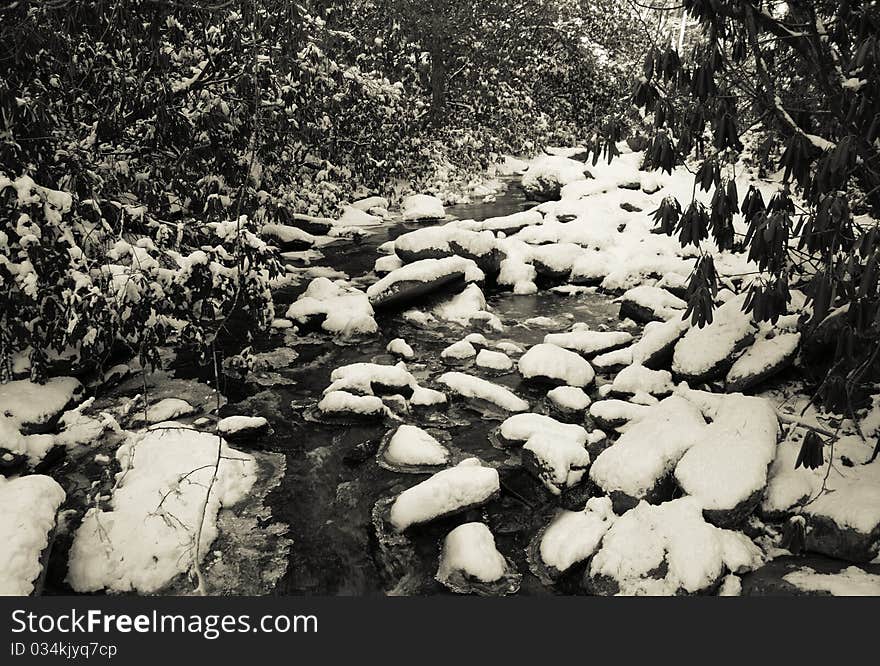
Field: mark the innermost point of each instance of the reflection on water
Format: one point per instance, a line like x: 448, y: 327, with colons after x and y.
x: 332, y: 481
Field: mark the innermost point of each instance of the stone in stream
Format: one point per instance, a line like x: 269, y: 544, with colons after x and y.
x: 569, y: 402
x: 35, y: 408
x: 589, y: 343
x: 550, y: 364
x: 556, y: 461
x: 422, y: 207
x: 471, y: 564
x: 668, y: 549
x: 288, y: 238
x: 333, y: 307
x: 414, y: 281
x: 545, y: 177
x: 238, y: 428
x: 637, y: 379
x: 611, y: 414
x: 811, y: 575
x: 517, y: 429
x: 342, y: 404
x: 409, y: 449
x: 645, y: 303
x: 317, y: 226
x: 481, y: 389
x: 450, y: 240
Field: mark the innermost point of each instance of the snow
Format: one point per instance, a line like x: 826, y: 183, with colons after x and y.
x: 146, y: 538
x: 521, y: 427
x: 450, y: 490
x: 851, y: 582
x: 728, y: 464
x: 232, y: 425
x: 561, y: 462
x: 637, y: 378
x: 548, y: 173
x: 475, y: 387
x: 30, y: 504
x: 569, y: 398
x: 494, y: 360
x: 343, y: 402
x: 695, y: 553
x: 442, y: 238
x: 765, y: 353
x: 470, y: 549
x: 387, y: 264
x: 573, y: 536
x: 509, y: 347
x: 650, y: 448
x: 410, y: 445
x: 614, y: 411
x: 355, y: 217
x: 426, y: 397
x: 28, y: 403
x: 361, y: 377
x: 346, y: 310
x: 655, y: 336
x: 588, y: 342
x: 287, y: 235
x: 422, y: 207
x: 399, y: 347
x: 426, y: 270
x: 701, y: 350
x: 468, y: 305
x: 555, y: 363
x: 663, y: 304
x: 168, y: 409
x: 459, y: 351
x: 367, y: 203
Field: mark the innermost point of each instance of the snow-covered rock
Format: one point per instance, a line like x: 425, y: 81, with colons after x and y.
x: 458, y: 351
x: 422, y: 207
x: 412, y: 281
x: 343, y: 403
x: 426, y: 397
x: 726, y: 470
x: 636, y: 379
x: 851, y: 582
x: 645, y: 303
x: 666, y: 550
x: 466, y: 308
x: 448, y: 240
x: 494, y: 360
x: 519, y: 428
x: 146, y: 538
x: 449, y: 491
x: 469, y: 386
x: 399, y: 347
x: 568, y: 400
x: 553, y: 364
x: 372, y: 379
x: 470, y: 563
x: 242, y: 427
x: 571, y: 537
x: 410, y: 446
x: 611, y: 414
x: 35, y: 406
x: 287, y: 238
x: 546, y: 176
x: 340, y: 309
x: 355, y: 217
x: 766, y: 357
x: 557, y: 462
x: 168, y: 409
x: 707, y: 352
x: 589, y: 343
x: 30, y: 504
x: 639, y: 464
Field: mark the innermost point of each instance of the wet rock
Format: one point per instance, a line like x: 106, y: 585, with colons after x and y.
x: 361, y: 452
x: 630, y: 208
x: 825, y: 536
x: 775, y: 577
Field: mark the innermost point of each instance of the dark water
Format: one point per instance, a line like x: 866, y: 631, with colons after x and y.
x: 327, y: 495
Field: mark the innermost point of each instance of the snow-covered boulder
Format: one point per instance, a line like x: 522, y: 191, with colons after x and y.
x: 369, y: 204
x: 413, y: 281
x: 638, y: 466
x: 287, y: 238
x: 554, y: 261
x: 448, y: 240
x: 146, y: 539
x: 765, y: 358
x: 35, y: 407
x: 355, y: 217
x: 667, y: 549
x: 334, y: 306
x: 399, y: 347
x: 513, y: 223
x: 570, y: 538
x: 546, y: 176
x: 589, y: 343
x: 655, y: 348
x: 494, y: 360
x: 167, y: 409
x: 27, y: 523
x: 427, y: 397
x: 418, y: 207
x: 557, y: 462
x: 466, y: 308
x: 705, y: 353
x: 726, y: 470
x: 516, y: 430
x: 348, y: 405
x: 555, y: 365
x: 458, y: 351
x: 471, y: 564
x: 449, y: 491
x: 568, y: 401
x: 645, y: 303
x: 612, y: 414
x: 843, y: 521
x: 234, y: 428
x: 408, y: 448
x: 372, y: 379
x: 636, y: 379
x: 469, y: 386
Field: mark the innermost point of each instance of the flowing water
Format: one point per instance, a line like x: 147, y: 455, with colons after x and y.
x: 333, y: 481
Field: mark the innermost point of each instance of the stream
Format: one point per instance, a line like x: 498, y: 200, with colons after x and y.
x: 332, y: 479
